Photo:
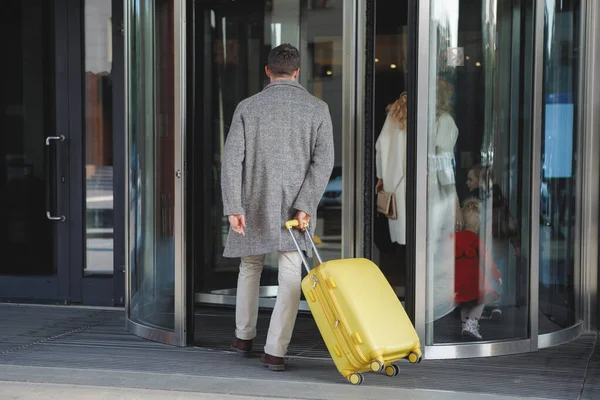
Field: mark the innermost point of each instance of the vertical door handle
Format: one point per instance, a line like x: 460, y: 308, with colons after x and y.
x: 49, y: 185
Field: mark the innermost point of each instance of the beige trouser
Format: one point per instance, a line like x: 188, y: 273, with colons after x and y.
x: 286, y: 305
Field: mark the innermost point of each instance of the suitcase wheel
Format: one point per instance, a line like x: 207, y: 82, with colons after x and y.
x: 356, y: 379
x: 414, y: 358
x: 392, y: 370
x: 376, y: 366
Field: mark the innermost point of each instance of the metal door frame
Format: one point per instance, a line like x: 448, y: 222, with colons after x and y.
x: 588, y: 236
x: 69, y: 285
x: 486, y: 348
x: 587, y: 265
x: 119, y: 154
x: 178, y: 336
x: 95, y: 289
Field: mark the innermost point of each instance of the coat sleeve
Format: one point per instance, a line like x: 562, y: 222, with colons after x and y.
x: 321, y: 166
x: 233, y: 163
x: 378, y: 156
x: 378, y: 162
x: 446, y: 133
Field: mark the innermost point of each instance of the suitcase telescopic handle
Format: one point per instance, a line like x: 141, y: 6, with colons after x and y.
x: 291, y: 224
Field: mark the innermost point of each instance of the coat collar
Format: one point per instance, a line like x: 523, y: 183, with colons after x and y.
x: 286, y: 82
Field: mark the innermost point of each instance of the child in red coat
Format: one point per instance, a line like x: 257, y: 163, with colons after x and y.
x: 471, y: 285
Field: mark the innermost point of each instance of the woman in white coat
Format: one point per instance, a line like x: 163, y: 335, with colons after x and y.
x: 390, y: 164
x: 443, y: 208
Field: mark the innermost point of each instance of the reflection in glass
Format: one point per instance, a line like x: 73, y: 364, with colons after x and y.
x: 151, y: 163
x: 479, y: 136
x: 27, y: 107
x: 230, y: 59
x: 99, y: 136
x: 558, y: 190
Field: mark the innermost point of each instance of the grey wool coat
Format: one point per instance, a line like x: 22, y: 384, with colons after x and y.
x: 277, y: 159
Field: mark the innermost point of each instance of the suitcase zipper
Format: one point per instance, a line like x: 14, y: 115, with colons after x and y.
x: 339, y: 334
x: 342, y: 331
x: 332, y: 300
x: 346, y: 331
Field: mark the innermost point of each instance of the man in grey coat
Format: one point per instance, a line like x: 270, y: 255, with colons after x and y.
x: 277, y: 160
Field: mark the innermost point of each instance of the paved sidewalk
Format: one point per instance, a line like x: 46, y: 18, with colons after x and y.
x: 49, y: 391
x: 70, y: 352
x: 273, y: 390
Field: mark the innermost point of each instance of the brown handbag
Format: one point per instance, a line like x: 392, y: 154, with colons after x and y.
x: 386, y: 204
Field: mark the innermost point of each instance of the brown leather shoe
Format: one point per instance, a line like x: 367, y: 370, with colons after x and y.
x: 242, y: 346
x: 273, y: 363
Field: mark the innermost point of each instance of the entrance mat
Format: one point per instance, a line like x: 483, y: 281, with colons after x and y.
x: 306, y: 340
x: 23, y: 326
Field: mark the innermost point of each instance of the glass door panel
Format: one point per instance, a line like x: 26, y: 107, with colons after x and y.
x: 479, y: 147
x: 151, y: 158
x: 390, y: 88
x: 33, y: 177
x: 558, y: 190
x: 27, y: 102
x: 232, y: 41
x: 98, y: 123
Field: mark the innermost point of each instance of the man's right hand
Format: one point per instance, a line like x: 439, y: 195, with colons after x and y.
x: 238, y: 223
x: 303, y: 220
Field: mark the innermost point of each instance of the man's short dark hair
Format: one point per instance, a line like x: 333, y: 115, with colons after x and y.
x: 283, y: 60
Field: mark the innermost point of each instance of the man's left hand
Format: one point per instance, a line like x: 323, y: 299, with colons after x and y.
x: 303, y: 220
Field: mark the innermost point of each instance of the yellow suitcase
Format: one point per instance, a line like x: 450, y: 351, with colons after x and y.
x: 361, y: 320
